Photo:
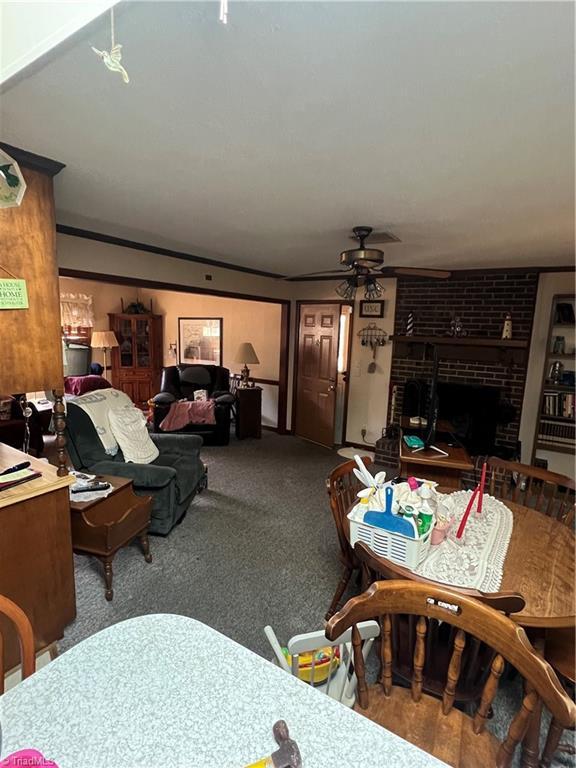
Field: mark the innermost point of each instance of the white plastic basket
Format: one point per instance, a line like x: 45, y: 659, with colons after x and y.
x: 393, y: 546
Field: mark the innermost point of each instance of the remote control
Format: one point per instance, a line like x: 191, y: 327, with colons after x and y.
x: 90, y: 488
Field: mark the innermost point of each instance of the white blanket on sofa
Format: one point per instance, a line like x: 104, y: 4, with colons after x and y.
x: 97, y: 405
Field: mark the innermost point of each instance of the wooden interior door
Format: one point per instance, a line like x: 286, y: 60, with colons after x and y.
x: 317, y: 371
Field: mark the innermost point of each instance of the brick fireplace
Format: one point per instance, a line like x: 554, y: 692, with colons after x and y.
x: 480, y: 300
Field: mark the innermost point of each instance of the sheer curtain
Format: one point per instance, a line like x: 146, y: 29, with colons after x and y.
x: 76, y: 310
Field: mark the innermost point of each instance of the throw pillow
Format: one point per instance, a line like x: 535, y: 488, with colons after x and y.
x: 128, y: 426
x: 80, y: 385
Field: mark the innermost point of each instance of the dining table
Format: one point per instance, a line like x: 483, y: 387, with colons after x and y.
x: 167, y: 690
x: 539, y: 565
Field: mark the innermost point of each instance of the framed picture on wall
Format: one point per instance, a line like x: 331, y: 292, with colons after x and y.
x: 371, y: 309
x: 200, y: 340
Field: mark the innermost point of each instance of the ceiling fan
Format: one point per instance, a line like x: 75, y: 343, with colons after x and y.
x: 363, y: 265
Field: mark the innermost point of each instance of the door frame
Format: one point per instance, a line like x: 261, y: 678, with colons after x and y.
x: 310, y: 302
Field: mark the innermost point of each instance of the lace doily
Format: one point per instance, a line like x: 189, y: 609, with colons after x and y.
x: 476, y: 561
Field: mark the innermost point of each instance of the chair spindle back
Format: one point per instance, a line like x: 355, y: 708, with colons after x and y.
x: 470, y: 618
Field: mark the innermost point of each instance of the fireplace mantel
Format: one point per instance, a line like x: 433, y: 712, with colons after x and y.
x: 480, y: 348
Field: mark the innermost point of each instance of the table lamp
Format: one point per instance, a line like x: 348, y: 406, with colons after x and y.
x: 104, y: 340
x: 246, y: 354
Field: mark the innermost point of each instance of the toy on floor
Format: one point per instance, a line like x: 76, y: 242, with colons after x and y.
x: 286, y: 756
x: 326, y: 662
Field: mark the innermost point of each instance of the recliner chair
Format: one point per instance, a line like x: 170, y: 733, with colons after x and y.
x: 173, y: 479
x: 179, y: 382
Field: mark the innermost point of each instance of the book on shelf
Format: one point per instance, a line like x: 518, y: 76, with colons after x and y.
x: 11, y: 479
x: 564, y: 314
x: 556, y: 433
x: 558, y: 404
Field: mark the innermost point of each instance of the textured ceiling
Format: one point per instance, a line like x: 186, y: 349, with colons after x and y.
x: 263, y: 142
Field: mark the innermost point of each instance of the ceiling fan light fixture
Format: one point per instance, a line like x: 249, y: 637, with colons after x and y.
x: 372, y: 290
x: 347, y: 289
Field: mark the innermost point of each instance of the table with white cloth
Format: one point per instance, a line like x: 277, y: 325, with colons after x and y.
x: 165, y: 690
x: 508, y: 548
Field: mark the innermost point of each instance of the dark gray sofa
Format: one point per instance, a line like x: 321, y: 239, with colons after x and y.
x: 173, y: 479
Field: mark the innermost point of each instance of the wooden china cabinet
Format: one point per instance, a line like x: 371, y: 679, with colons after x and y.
x: 137, y: 360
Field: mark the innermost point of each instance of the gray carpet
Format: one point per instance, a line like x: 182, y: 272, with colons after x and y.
x: 258, y: 547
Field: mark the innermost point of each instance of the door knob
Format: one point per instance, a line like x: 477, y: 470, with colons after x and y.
x: 332, y: 385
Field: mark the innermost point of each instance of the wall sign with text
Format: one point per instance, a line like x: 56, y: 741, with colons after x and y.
x: 13, y: 294
x: 371, y: 309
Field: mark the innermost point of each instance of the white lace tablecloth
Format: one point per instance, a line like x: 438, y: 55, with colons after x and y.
x: 476, y: 561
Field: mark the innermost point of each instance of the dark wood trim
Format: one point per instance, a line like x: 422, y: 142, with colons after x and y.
x: 270, y: 428
x: 348, y: 372
x: 463, y: 341
x: 161, y: 286
x: 100, y: 237
x: 283, y: 369
x: 295, y: 367
x: 507, y: 351
x: 34, y: 162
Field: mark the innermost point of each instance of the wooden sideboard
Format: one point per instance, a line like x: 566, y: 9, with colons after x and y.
x: 36, y: 565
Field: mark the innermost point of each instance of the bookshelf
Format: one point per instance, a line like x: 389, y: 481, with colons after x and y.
x: 556, y: 426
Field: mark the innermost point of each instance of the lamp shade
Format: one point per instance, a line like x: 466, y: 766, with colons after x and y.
x: 103, y: 340
x: 246, y: 354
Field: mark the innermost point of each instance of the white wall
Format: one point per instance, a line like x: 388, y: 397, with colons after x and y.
x: 93, y: 256
x: 550, y: 284
x: 28, y: 30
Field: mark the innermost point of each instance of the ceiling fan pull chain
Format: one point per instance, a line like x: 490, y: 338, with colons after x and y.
x: 224, y: 11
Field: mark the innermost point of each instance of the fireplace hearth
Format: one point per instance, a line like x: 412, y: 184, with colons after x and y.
x: 480, y: 379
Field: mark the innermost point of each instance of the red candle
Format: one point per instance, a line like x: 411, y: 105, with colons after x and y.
x: 481, y: 495
x: 467, y: 513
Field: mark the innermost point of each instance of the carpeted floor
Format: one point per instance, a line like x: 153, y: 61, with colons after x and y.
x: 257, y: 547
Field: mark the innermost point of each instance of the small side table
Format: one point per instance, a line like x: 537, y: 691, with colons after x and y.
x: 248, y: 412
x: 101, y: 527
x: 445, y: 470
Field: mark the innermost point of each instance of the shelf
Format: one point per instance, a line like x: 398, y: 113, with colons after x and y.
x: 464, y: 341
x: 555, y: 447
x: 558, y: 387
x: 567, y: 419
x: 563, y: 356
x: 474, y: 348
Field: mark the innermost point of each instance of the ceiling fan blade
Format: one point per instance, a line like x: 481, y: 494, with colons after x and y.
x: 322, y: 272
x: 435, y: 274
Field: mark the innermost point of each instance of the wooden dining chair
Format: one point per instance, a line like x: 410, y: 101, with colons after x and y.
x: 434, y: 725
x: 342, y: 486
x: 547, y: 492
x: 25, y: 638
x: 476, y: 657
x: 560, y: 653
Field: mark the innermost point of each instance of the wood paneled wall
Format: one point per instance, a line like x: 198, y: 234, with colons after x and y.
x: 30, y: 339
